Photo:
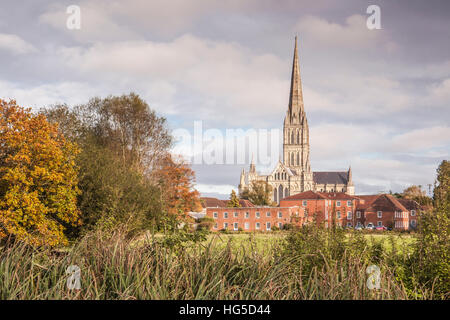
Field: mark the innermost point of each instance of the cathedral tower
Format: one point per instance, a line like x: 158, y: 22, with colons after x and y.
x: 295, y: 127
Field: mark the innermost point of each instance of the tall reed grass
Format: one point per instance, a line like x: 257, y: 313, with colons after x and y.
x: 115, y: 267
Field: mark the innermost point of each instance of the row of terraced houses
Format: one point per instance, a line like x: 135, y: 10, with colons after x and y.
x: 315, y: 207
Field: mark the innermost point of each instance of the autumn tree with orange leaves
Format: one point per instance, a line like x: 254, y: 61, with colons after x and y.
x: 176, y: 181
x: 38, y: 178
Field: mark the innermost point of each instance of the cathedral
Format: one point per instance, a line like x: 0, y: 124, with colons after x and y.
x: 293, y: 175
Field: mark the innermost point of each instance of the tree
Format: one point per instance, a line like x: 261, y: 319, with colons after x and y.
x: 38, y: 178
x: 417, y: 194
x: 176, y: 181
x: 258, y: 193
x: 114, y: 194
x: 121, y: 138
x: 431, y: 258
x: 234, y: 201
x: 126, y: 125
x: 441, y: 192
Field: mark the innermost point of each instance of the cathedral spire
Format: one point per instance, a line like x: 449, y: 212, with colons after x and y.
x: 349, y: 175
x: 295, y: 95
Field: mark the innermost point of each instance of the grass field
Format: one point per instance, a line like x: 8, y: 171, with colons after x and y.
x: 262, y: 242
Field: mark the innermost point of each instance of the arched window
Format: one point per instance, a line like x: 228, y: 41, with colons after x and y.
x: 292, y: 159
x: 298, y: 137
x: 280, y: 192
x: 275, y: 196
x: 298, y: 158
x: 292, y: 136
x: 286, y: 192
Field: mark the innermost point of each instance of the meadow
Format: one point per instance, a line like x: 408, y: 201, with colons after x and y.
x: 312, y: 263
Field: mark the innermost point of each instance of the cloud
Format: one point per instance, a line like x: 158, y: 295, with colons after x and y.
x: 35, y: 97
x: 440, y: 93
x: 221, y: 78
x: 352, y: 35
x: 15, y: 44
x: 215, y: 188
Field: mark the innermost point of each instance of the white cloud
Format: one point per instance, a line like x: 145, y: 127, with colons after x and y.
x: 221, y: 189
x: 15, y: 44
x: 71, y: 93
x: 439, y: 94
x: 226, y: 78
x: 353, y: 34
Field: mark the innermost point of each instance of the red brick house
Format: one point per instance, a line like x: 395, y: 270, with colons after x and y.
x: 322, y: 207
x: 326, y: 207
x: 382, y: 210
x: 249, y: 217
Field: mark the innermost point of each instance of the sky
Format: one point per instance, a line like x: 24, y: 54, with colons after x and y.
x: 378, y: 100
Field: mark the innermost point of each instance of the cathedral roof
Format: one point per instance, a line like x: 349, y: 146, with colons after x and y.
x: 330, y: 177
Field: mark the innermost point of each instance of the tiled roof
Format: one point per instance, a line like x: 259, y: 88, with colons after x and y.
x: 409, y: 204
x: 330, y: 177
x: 307, y: 195
x: 338, y: 195
x: 208, y: 202
x: 381, y: 201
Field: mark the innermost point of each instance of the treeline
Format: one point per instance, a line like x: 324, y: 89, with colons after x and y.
x: 65, y: 170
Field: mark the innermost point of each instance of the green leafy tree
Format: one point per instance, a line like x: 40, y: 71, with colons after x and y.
x: 430, y: 263
x: 234, y: 200
x: 259, y: 193
x: 121, y: 140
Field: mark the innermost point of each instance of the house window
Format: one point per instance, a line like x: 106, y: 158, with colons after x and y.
x: 349, y: 224
x: 235, y: 214
x: 413, y: 223
x: 305, y: 203
x: 338, y: 203
x: 225, y: 215
x: 349, y: 215
x: 257, y: 215
x: 247, y: 215
x: 358, y: 214
x: 246, y: 226
x: 225, y: 225
x: 267, y: 225
x: 349, y: 203
x: 257, y: 226
x: 379, y: 214
x: 236, y: 226
x: 215, y: 225
x: 268, y: 214
x: 413, y: 213
x: 280, y: 225
x: 280, y: 214
x: 215, y: 215
x: 358, y: 224
x: 338, y: 214
x: 380, y: 223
